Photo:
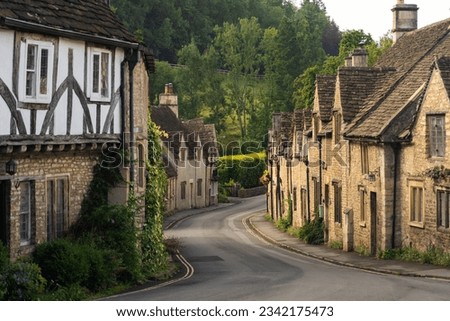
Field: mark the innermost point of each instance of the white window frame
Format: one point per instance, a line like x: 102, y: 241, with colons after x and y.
x: 94, y: 95
x: 37, y: 97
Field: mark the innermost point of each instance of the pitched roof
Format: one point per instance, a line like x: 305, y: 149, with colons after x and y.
x: 443, y: 64
x: 326, y: 86
x: 190, y: 130
x: 81, y: 17
x: 412, y: 56
x: 357, y: 87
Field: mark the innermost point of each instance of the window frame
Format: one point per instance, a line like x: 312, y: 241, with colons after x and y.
x: 29, y: 213
x: 443, y: 219
x: 91, y: 94
x: 337, y: 202
x: 365, y: 169
x: 433, y: 149
x: 37, y: 97
x: 57, y: 206
x: 183, y: 186
x: 416, y: 219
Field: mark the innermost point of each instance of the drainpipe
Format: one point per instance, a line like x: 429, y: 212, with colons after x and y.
x: 308, y: 209
x: 132, y: 62
x: 319, y: 139
x: 396, y: 149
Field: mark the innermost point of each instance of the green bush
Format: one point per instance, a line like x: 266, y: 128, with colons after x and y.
x: 243, y: 169
x: 313, y: 231
x: 112, y: 228
x: 22, y: 281
x: 68, y: 293
x: 63, y: 262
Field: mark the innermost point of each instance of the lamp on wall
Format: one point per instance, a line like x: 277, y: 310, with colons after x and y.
x: 11, y: 167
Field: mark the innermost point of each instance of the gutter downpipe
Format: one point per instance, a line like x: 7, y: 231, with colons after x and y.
x: 319, y: 139
x: 132, y: 64
x: 396, y: 149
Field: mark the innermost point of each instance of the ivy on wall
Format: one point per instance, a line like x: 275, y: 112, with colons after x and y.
x: 154, y: 254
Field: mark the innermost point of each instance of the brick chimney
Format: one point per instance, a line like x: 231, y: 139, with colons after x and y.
x: 169, y: 98
x: 404, y: 19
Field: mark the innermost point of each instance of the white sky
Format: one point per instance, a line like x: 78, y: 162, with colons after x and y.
x: 375, y: 16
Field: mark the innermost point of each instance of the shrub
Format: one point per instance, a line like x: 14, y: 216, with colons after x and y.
x: 22, y: 281
x: 63, y: 263
x: 112, y: 228
x: 312, y: 231
x: 68, y: 293
x: 243, y: 169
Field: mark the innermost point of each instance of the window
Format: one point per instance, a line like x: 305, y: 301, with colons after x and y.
x: 337, y: 203
x: 294, y: 198
x: 99, y: 75
x: 316, y: 187
x: 416, y: 204
x: 36, y: 71
x: 362, y: 205
x: 57, y: 207
x: 436, y: 132
x: 26, y: 211
x: 183, y: 190
x: 443, y: 209
x: 364, y: 159
x: 141, y: 166
x: 303, y: 199
x: 337, y: 127
x: 199, y: 187
x: 182, y: 154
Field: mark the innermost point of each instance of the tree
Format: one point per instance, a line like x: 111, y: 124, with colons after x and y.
x: 238, y: 46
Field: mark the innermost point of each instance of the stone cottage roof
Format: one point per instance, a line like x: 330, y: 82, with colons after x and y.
x: 190, y: 130
x: 443, y: 64
x: 412, y: 56
x: 325, y: 85
x: 357, y: 86
x: 81, y: 17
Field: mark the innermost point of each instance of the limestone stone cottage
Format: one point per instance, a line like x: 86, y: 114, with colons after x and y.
x: 190, y: 154
x: 375, y: 164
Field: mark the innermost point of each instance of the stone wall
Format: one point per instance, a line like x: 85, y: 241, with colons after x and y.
x: 77, y: 168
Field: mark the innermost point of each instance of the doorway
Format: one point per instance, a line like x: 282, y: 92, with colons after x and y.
x: 373, y: 223
x: 5, y: 194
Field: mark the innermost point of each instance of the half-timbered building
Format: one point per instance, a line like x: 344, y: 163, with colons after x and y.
x: 73, y: 83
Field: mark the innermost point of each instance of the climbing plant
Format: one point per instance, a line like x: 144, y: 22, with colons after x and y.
x: 154, y: 254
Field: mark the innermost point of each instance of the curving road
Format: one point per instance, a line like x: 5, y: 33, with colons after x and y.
x: 229, y: 263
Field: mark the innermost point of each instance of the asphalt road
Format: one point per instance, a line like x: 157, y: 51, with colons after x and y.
x: 230, y: 263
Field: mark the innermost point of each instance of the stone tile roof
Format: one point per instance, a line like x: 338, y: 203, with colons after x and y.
x: 357, y: 87
x: 326, y: 86
x: 412, y: 56
x: 443, y: 64
x: 92, y: 17
x: 190, y: 130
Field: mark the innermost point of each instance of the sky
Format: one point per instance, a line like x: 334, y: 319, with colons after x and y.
x: 375, y: 16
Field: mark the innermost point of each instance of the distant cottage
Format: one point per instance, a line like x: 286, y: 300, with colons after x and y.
x: 190, y: 154
x: 373, y: 158
x: 73, y: 83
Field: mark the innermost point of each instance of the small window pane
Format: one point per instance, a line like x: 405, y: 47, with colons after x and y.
x: 44, y: 72
x: 105, y: 74
x: 25, y: 211
x: 95, y: 74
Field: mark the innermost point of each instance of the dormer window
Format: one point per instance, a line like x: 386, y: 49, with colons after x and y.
x: 99, y: 81
x: 36, y: 71
x: 337, y: 127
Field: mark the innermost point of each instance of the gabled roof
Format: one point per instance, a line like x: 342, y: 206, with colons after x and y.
x: 357, y: 87
x: 194, y: 132
x: 412, y: 56
x: 76, y: 18
x: 325, y: 85
x: 443, y: 64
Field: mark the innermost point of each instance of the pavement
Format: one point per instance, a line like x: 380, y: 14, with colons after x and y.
x: 267, y: 231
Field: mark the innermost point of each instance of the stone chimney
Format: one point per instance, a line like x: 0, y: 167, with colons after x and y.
x: 169, y: 98
x: 360, y: 58
x: 404, y: 19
